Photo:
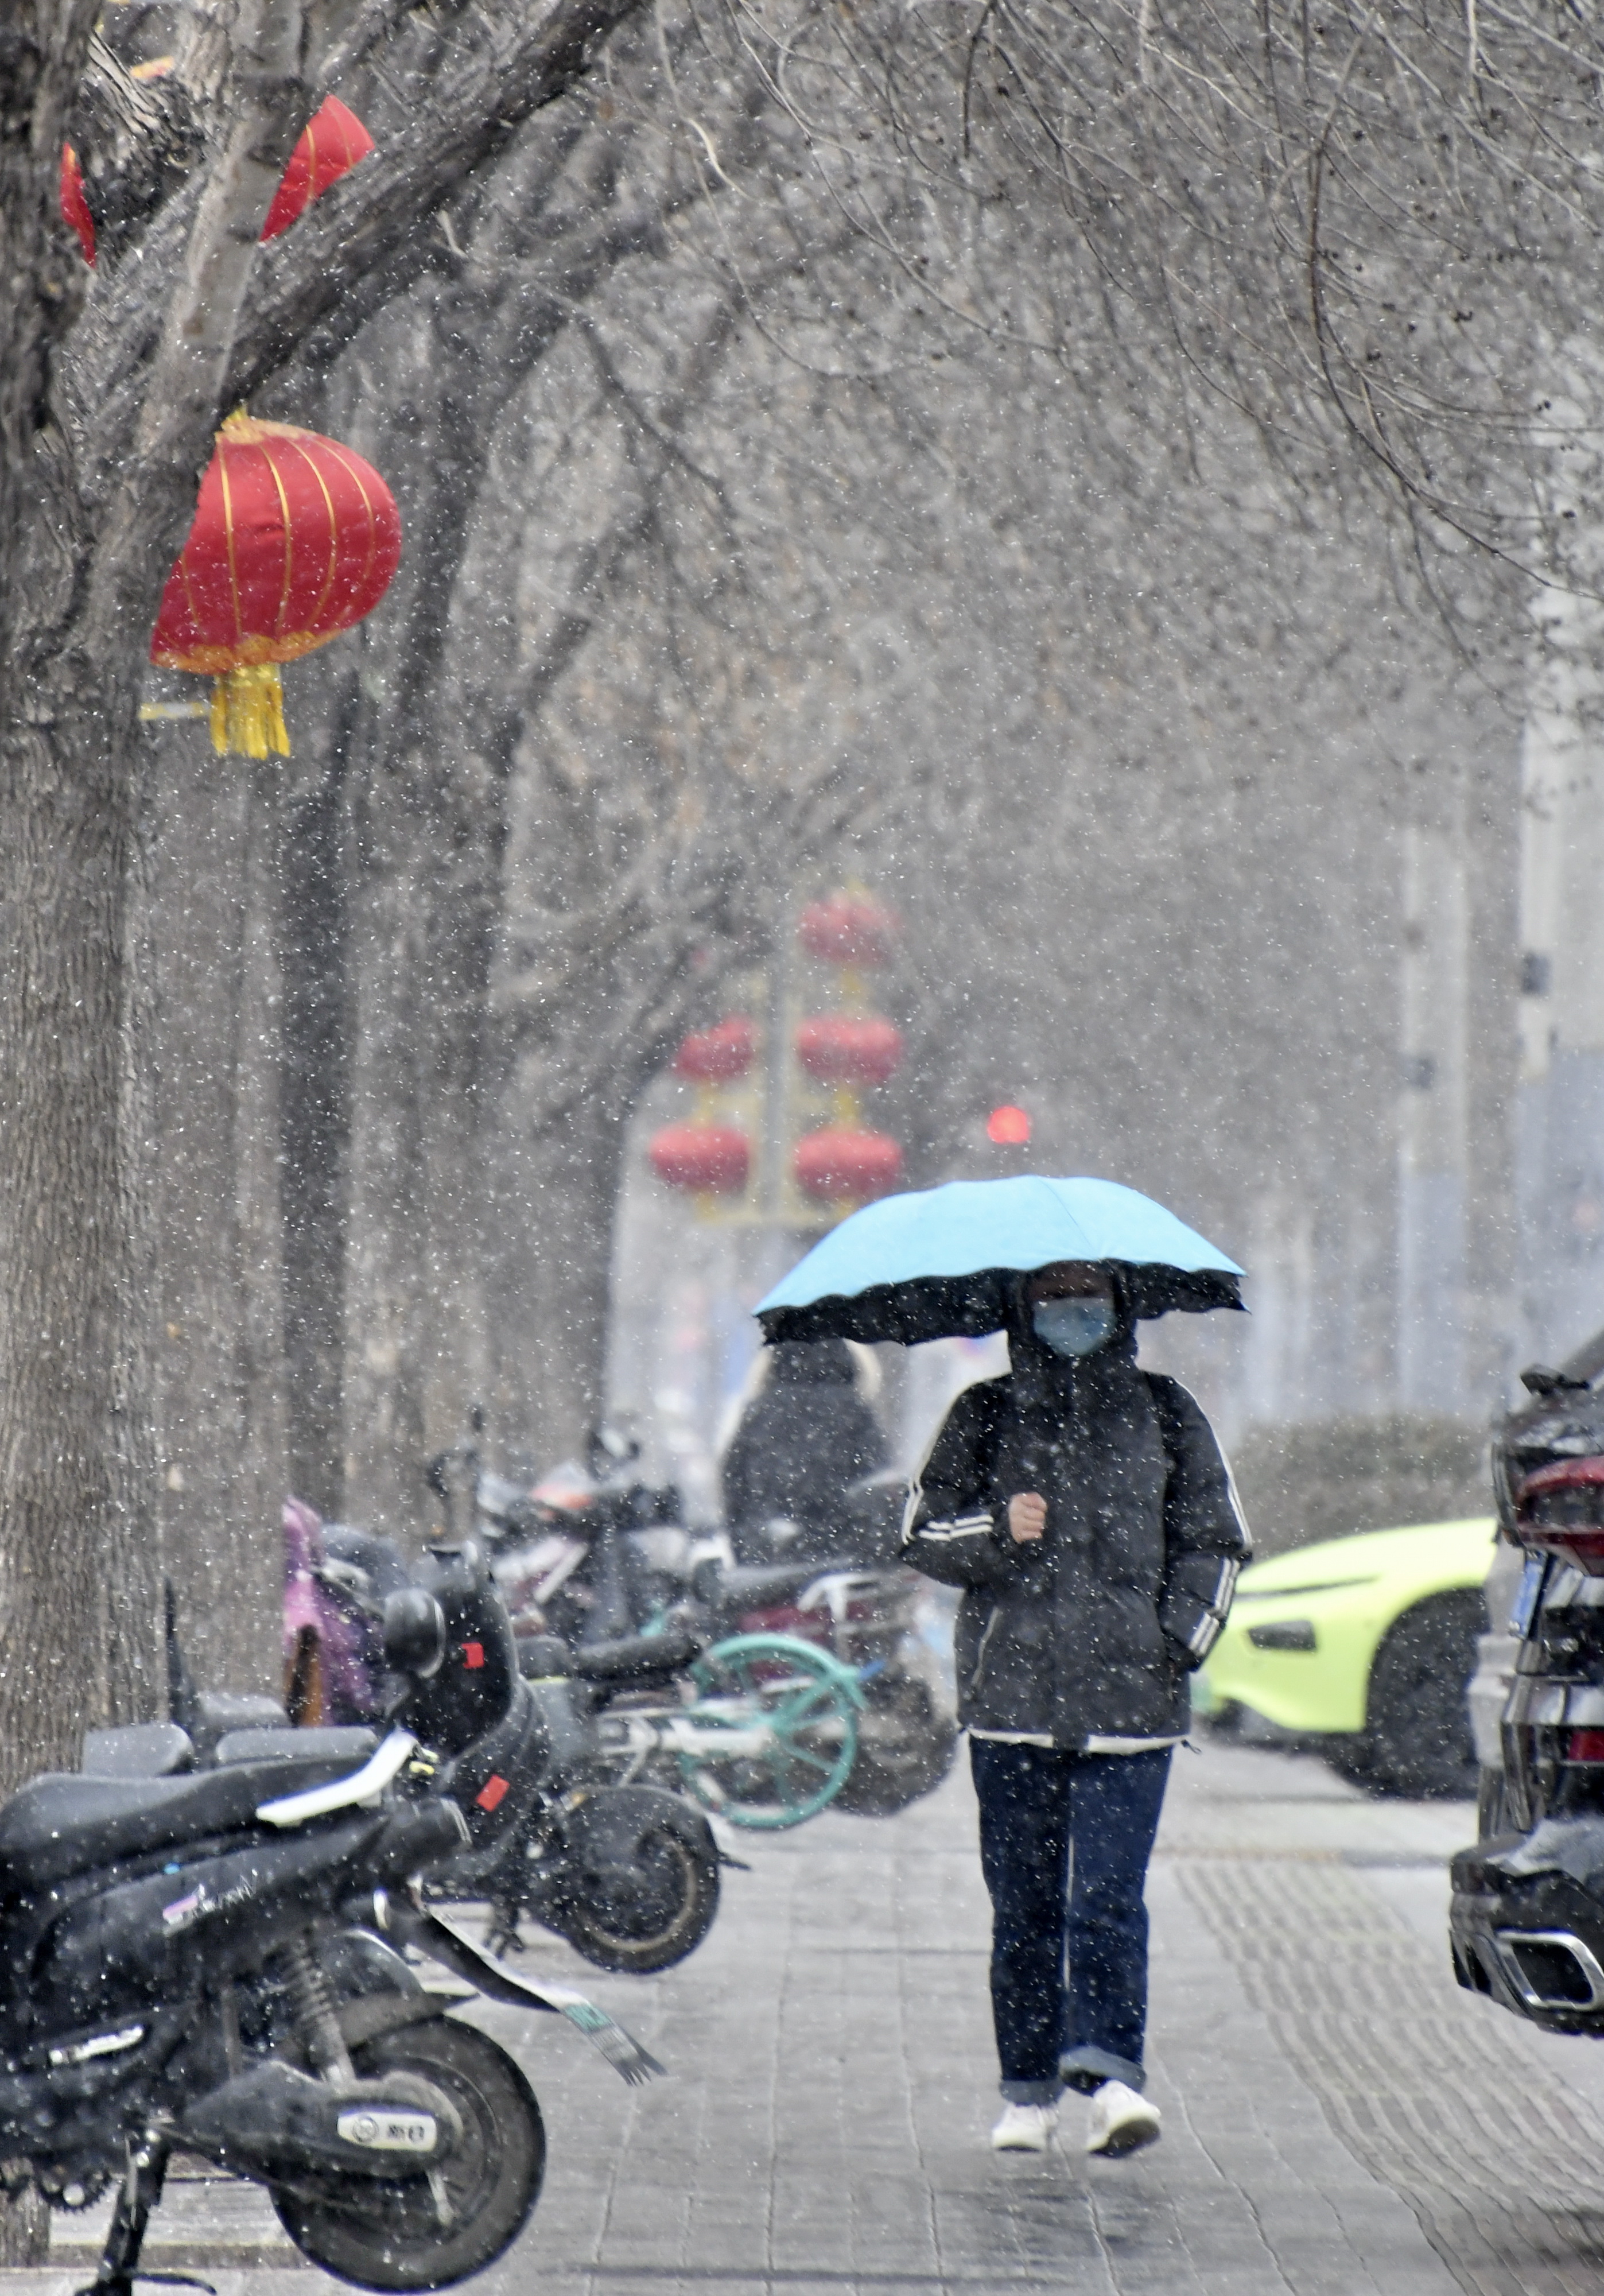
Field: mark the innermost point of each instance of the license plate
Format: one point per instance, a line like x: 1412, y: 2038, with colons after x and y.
x: 389, y: 2132
x: 1527, y: 1596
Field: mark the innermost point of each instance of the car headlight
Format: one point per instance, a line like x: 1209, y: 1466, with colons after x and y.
x: 1284, y: 1635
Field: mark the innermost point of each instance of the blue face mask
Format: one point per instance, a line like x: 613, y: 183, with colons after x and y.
x: 1073, y: 1327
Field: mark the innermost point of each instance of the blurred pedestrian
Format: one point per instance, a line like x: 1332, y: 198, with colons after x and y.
x: 804, y: 1439
x: 1084, y: 1506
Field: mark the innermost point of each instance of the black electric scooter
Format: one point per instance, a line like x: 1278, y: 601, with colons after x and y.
x: 628, y: 1874
x: 214, y: 1959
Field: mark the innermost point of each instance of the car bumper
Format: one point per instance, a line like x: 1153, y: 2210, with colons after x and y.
x: 1534, y: 1940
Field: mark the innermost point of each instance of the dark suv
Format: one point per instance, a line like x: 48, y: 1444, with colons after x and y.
x: 1528, y: 1900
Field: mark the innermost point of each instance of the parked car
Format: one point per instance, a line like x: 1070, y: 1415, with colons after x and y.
x: 1548, y: 1477
x: 1529, y: 1899
x: 1362, y: 1647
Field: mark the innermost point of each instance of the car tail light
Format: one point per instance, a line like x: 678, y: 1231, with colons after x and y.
x: 1560, y: 1511
x: 1585, y: 1746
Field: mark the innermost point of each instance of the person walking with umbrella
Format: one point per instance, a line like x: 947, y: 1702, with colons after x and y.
x: 1084, y: 1508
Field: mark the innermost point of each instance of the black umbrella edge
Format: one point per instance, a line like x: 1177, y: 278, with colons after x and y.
x: 968, y: 1306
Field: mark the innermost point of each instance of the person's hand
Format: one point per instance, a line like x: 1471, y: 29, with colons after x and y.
x: 1027, y: 1516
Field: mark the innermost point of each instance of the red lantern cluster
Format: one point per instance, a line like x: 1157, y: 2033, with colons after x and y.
x: 709, y: 1159
x: 843, y: 1162
x: 839, y: 1049
x: 331, y: 143
x: 841, y: 1165
x: 705, y: 1156
x: 848, y: 929
x: 717, y: 1056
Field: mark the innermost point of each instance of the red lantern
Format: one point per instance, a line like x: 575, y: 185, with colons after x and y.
x: 332, y: 142
x: 848, y: 929
x: 713, y: 1159
x: 717, y: 1056
x: 838, y: 1050
x: 838, y: 1166
x: 1008, y: 1126
x: 294, y: 539
x: 74, y: 207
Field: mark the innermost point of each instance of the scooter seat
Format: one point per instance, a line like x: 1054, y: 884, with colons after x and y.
x: 765, y: 1586
x: 636, y: 1658
x: 60, y: 1823
x: 348, y: 1744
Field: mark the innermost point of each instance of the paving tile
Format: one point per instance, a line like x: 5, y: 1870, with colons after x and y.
x: 831, y: 2082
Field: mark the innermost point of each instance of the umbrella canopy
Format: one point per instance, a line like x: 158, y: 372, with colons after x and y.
x: 941, y: 1263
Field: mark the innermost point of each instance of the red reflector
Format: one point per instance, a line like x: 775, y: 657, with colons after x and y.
x: 494, y: 1790
x: 1582, y: 1549
x: 473, y: 1654
x: 1585, y: 1746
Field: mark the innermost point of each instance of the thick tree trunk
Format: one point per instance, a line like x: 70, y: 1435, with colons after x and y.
x: 417, y: 1350
x: 78, y: 1555
x: 314, y: 1126
x: 217, y: 1059
x: 551, y: 1283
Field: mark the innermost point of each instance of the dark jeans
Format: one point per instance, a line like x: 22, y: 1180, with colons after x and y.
x: 1065, y: 1840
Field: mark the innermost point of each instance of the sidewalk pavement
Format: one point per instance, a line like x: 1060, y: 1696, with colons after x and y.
x: 1340, y: 2119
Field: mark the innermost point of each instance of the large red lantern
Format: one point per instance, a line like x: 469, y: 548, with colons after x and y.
x: 717, y: 1056
x: 838, y: 1049
x: 841, y: 1166
x: 294, y: 539
x: 848, y: 929
x: 330, y: 144
x: 710, y: 1160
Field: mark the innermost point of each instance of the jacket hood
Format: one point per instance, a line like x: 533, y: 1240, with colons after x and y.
x: 1032, y: 1359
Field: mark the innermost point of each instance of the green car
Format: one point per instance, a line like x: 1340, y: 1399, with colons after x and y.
x: 1363, y: 1647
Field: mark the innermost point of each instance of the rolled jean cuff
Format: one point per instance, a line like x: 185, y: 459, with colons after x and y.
x: 1040, y: 2092
x: 1087, y: 2068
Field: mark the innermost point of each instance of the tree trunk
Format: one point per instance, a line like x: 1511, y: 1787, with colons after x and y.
x: 78, y: 1555
x: 315, y: 1127
x: 551, y: 1280
x: 218, y: 1351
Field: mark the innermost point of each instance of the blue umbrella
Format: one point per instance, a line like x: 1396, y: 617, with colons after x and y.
x: 943, y: 1261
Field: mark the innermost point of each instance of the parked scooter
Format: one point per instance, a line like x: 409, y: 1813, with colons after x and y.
x: 631, y: 1879
x: 587, y: 1556
x: 213, y: 1959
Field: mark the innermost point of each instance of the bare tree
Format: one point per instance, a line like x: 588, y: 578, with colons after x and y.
x: 111, y: 391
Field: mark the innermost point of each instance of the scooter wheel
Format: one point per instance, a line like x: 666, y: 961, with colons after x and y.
x: 643, y: 1881
x: 432, y: 2231
x: 906, y: 1745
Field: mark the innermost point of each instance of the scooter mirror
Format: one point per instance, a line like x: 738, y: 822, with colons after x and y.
x: 415, y: 1633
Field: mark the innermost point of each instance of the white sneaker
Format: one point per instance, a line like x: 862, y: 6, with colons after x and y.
x: 1024, y: 2129
x: 1122, y: 2120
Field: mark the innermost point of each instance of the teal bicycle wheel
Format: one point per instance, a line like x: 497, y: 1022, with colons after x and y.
x: 790, y: 1710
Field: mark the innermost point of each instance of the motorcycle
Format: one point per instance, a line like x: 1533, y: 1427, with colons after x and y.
x: 215, y: 1958
x: 627, y: 1873
x: 1528, y: 1914
x: 631, y: 1879
x: 587, y: 1554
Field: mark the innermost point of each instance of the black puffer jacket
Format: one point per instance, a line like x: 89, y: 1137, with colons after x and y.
x: 1090, y: 1631
x: 804, y: 1439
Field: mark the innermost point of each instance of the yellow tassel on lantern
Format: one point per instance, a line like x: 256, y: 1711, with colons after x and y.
x: 248, y: 712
